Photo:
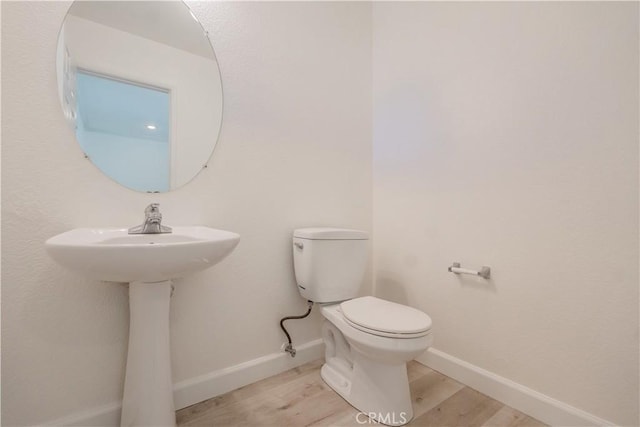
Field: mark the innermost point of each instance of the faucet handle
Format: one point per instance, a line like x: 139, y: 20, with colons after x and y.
x: 152, y: 212
x: 153, y: 215
x: 153, y: 207
x: 152, y: 222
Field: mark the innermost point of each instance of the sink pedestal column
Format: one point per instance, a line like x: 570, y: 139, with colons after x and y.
x: 148, y: 386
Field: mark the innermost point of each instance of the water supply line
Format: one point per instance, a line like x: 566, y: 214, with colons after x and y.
x: 289, y: 347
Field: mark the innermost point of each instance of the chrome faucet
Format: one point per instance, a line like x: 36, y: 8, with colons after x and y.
x: 152, y: 222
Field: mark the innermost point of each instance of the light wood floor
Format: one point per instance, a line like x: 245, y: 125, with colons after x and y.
x: 299, y: 397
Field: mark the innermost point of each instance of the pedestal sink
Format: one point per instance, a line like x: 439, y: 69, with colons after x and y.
x: 148, y: 262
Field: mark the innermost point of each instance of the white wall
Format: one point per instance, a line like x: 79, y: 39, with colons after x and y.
x: 295, y: 151
x: 506, y: 134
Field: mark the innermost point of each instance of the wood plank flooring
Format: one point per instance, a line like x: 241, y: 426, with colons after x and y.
x: 299, y: 397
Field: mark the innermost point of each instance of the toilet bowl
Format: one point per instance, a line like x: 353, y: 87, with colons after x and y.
x: 368, y: 369
x: 368, y: 340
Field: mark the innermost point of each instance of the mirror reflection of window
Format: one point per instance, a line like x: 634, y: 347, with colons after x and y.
x: 124, y: 128
x: 147, y: 45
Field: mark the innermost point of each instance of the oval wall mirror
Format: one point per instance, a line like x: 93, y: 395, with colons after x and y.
x: 140, y: 85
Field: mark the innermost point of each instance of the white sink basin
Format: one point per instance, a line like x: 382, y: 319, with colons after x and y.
x: 111, y: 254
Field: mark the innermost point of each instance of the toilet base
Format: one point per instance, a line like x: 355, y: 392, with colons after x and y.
x: 369, y: 371
x: 378, y: 389
x: 381, y: 392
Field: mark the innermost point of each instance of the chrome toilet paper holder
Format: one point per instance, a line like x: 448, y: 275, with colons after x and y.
x: 484, y: 272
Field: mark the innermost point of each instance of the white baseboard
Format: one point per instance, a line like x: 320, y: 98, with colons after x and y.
x: 206, y: 386
x: 517, y: 396
x: 105, y: 415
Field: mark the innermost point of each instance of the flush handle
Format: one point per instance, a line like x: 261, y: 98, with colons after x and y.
x: 298, y: 245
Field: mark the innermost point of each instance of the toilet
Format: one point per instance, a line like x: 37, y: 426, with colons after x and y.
x: 368, y: 340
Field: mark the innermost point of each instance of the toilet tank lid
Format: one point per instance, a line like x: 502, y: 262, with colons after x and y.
x: 329, y: 233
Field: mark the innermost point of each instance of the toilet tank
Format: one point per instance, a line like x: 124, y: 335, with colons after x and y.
x: 329, y: 263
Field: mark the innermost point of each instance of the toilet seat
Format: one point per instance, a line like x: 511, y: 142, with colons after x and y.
x: 384, y: 318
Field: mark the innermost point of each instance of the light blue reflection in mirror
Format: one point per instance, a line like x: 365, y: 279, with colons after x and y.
x: 123, y: 127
